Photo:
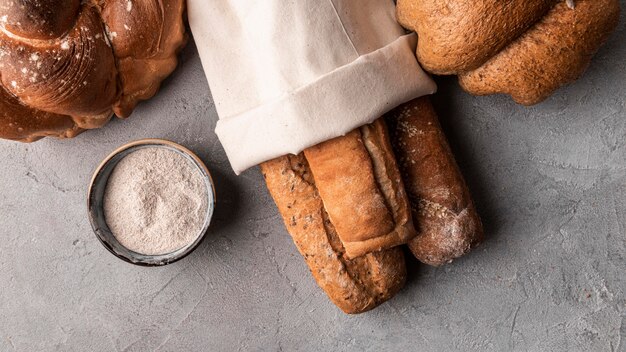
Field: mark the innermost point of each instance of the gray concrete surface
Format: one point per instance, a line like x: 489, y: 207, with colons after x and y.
x: 550, y: 183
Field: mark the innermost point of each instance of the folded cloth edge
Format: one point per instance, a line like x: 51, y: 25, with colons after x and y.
x: 378, y: 82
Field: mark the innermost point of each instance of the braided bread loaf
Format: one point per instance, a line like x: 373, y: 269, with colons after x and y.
x: 68, y: 65
x: 524, y: 48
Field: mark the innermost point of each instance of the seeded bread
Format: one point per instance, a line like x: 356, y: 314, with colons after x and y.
x: 354, y: 285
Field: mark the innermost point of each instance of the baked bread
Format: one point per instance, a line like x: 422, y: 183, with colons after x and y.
x: 448, y: 225
x: 359, y: 183
x: 354, y: 285
x: 352, y: 177
x: 524, y: 48
x: 68, y: 65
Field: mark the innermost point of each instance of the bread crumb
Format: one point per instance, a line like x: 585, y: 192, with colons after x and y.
x: 570, y: 4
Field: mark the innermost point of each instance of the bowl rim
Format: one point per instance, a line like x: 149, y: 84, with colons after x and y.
x: 158, y: 143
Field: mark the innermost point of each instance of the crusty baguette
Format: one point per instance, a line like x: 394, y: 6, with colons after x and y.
x: 354, y: 285
x: 556, y: 51
x: 361, y: 187
x: 447, y: 223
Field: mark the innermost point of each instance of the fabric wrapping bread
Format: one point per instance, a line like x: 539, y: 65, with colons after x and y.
x: 288, y: 75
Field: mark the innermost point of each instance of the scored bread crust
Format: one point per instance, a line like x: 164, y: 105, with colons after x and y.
x: 361, y: 187
x: 448, y: 225
x: 354, y: 285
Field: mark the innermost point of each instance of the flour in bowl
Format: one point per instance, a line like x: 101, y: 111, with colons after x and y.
x: 155, y: 201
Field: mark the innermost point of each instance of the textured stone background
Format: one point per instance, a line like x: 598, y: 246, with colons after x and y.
x: 549, y: 181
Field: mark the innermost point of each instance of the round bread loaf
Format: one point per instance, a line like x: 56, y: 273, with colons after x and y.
x: 524, y: 48
x: 68, y: 65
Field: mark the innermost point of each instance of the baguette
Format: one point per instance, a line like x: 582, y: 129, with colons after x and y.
x: 442, y: 209
x: 354, y: 285
x: 361, y: 187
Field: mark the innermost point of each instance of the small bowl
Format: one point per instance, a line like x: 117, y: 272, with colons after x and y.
x: 96, y: 210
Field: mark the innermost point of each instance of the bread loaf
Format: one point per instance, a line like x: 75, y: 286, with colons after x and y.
x: 554, y: 52
x: 358, y: 180
x: 525, y: 48
x: 352, y: 177
x: 67, y: 65
x: 354, y: 285
x: 447, y: 223
x: 459, y: 36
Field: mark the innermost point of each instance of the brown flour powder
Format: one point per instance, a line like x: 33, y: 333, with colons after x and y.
x: 155, y: 201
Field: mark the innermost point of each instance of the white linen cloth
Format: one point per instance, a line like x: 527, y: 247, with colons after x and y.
x: 288, y: 74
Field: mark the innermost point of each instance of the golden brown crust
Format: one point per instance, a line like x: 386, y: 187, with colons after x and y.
x: 554, y: 52
x: 358, y: 180
x: 60, y: 59
x: 40, y: 19
x: 146, y: 55
x: 525, y: 48
x: 458, y: 36
x: 19, y: 123
x: 73, y: 76
x: 447, y: 223
x: 354, y: 285
x: 344, y: 177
